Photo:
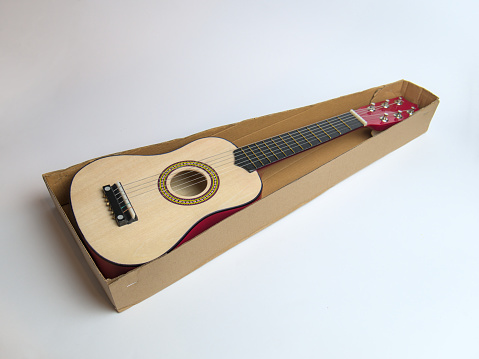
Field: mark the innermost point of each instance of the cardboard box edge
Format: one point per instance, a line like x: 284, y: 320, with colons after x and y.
x: 109, y: 285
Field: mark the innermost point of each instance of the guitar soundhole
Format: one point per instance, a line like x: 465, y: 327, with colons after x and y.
x: 188, y: 183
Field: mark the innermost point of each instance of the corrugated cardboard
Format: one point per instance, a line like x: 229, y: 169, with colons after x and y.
x: 284, y: 182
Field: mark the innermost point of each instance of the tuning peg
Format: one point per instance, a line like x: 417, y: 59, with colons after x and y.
x: 399, y: 101
x: 398, y: 115
x: 411, y: 110
x: 372, y: 107
x: 386, y: 104
x: 384, y: 118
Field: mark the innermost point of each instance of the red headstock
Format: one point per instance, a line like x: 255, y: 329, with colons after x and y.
x: 380, y: 116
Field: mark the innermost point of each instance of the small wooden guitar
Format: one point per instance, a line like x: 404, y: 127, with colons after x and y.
x: 132, y: 209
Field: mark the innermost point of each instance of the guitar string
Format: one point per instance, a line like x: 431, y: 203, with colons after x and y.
x: 362, y: 110
x: 195, y: 182
x: 220, y: 173
x: 200, y: 177
x: 197, y: 177
x: 226, y: 153
x: 301, y: 139
x: 296, y: 137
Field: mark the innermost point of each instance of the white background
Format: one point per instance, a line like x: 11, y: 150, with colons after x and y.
x: 384, y: 265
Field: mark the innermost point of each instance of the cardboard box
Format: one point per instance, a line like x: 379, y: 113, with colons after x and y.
x: 287, y: 184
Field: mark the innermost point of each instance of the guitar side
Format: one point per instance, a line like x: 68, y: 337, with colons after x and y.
x: 164, y: 194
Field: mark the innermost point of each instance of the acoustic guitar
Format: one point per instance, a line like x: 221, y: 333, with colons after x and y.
x: 131, y: 209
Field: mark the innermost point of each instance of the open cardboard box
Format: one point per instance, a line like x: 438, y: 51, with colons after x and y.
x: 287, y: 184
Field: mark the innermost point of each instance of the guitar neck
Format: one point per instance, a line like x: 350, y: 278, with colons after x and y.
x: 262, y: 153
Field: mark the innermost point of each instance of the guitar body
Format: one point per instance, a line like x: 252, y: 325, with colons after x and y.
x: 172, y: 195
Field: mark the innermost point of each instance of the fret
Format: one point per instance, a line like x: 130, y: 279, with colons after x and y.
x: 257, y: 156
x: 273, y: 142
x: 334, y: 127
x: 351, y: 122
x: 332, y: 133
x: 265, y: 152
x: 302, y: 140
x: 318, y: 133
x: 247, y: 157
x: 313, y: 134
x: 256, y: 164
x: 281, y: 140
x: 242, y: 160
x: 339, y: 126
x: 270, y: 150
x: 309, y: 137
x: 340, y: 119
x: 262, y: 153
x: 346, y: 122
x: 317, y: 124
x: 294, y: 144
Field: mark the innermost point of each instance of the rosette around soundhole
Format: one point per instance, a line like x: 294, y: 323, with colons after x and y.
x: 188, y: 182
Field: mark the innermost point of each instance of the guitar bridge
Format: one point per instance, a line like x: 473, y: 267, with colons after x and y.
x: 120, y: 206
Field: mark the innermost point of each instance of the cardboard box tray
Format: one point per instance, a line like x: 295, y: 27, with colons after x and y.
x: 287, y: 184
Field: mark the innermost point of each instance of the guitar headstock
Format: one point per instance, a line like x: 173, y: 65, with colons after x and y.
x: 382, y: 115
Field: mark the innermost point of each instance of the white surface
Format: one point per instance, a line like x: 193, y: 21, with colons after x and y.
x: 384, y: 265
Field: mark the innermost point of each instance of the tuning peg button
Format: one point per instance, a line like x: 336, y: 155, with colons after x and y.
x: 399, y: 101
x: 411, y: 110
x: 386, y: 104
x: 372, y: 107
x: 398, y: 115
x: 384, y: 118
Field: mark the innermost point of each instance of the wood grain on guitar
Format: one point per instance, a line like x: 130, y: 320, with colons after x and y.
x: 133, y: 209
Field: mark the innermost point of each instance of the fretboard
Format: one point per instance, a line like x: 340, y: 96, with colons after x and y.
x: 262, y: 153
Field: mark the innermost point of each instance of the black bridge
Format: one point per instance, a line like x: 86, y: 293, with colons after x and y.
x: 119, y: 203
